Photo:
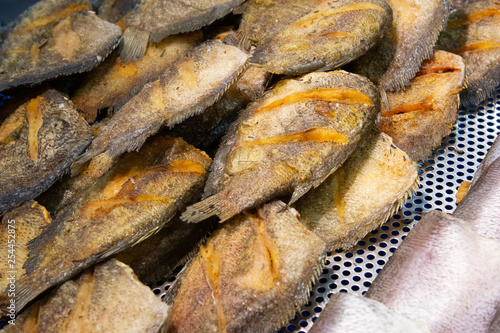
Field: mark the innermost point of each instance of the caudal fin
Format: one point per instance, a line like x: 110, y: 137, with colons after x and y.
x: 134, y: 44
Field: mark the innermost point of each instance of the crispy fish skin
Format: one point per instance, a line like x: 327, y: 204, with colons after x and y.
x: 289, y: 140
x: 423, y: 113
x: 114, y: 82
x: 206, y: 128
x: 129, y: 203
x: 356, y: 314
x: 397, y: 58
x: 105, y: 298
x: 362, y: 194
x: 423, y: 276
x: 259, y: 17
x: 19, y: 226
x: 38, y: 142
x: 154, y: 20
x: 172, y: 246
x: 333, y: 34
x: 191, y: 85
x: 250, y: 275
x: 71, y: 40
x: 473, y: 32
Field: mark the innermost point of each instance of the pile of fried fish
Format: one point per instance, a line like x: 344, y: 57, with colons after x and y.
x: 242, y: 139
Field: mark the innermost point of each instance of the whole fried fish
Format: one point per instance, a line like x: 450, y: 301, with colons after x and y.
x: 356, y: 314
x: 54, y: 38
x: 398, y: 55
x: 206, y: 128
x: 333, y: 34
x: 425, y: 111
x: 192, y: 84
x: 105, y: 298
x: 362, y: 194
x: 444, y: 274
x: 259, y: 17
x: 114, y: 82
x: 154, y: 20
x: 473, y: 32
x: 129, y: 203
x: 38, y: 142
x: 287, y: 141
x: 250, y: 275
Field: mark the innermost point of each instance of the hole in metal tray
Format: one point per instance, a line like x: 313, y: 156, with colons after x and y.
x: 455, y: 161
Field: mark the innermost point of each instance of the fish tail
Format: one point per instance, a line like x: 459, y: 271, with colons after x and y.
x: 211, y: 206
x: 134, y: 43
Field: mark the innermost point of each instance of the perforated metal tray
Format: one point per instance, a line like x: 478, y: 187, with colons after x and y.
x: 453, y: 162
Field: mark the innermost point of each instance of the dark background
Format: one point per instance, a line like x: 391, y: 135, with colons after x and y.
x: 10, y: 9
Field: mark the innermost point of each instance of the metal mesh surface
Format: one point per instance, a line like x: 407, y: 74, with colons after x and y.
x: 455, y: 161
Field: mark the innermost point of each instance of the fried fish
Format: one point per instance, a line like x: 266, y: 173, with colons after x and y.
x: 289, y: 140
x: 473, y: 32
x: 129, y: 203
x: 105, y: 298
x: 154, y: 20
x: 249, y: 276
x: 54, y: 38
x: 38, y: 142
x: 191, y: 85
x: 423, y: 113
x: 362, y: 194
x: 333, y: 34
x: 398, y: 55
x: 114, y: 82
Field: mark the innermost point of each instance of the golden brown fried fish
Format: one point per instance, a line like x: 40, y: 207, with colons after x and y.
x: 128, y: 204
x: 288, y: 141
x: 333, y: 34
x: 153, y: 20
x: 106, y: 298
x: 424, y: 113
x: 38, y: 142
x: 397, y: 58
x: 192, y: 84
x: 264, y: 18
x: 54, y: 38
x: 114, y: 82
x: 473, y: 32
x: 361, y: 195
x: 206, y: 128
x: 249, y: 276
